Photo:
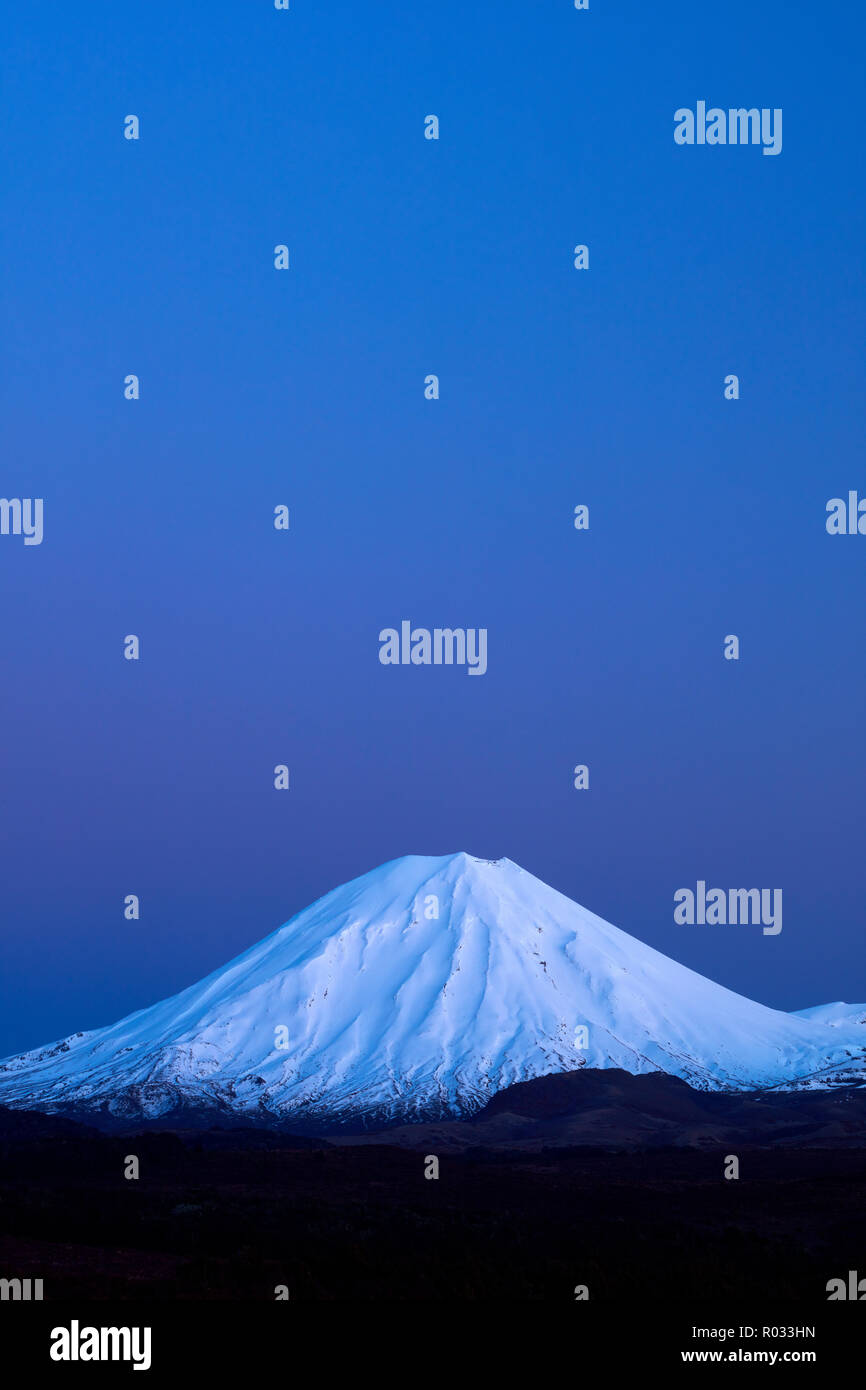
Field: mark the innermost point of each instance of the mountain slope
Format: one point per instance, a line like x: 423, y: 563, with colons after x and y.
x: 368, y: 1004
x: 611, y: 1109
x: 837, y: 1015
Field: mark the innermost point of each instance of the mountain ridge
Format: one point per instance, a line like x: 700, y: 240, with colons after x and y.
x: 418, y: 991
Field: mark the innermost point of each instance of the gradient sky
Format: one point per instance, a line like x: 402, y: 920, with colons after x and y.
x: 306, y: 388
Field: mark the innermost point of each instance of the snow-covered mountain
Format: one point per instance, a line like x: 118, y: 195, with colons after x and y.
x: 837, y: 1015
x: 420, y: 990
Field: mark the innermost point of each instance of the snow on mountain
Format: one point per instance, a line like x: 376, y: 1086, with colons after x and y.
x: 836, y: 1015
x: 368, y: 1004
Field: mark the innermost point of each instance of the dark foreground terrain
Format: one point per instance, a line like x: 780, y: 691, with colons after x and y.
x: 646, y: 1214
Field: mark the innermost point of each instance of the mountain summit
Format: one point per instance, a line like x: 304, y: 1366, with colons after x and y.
x: 418, y: 991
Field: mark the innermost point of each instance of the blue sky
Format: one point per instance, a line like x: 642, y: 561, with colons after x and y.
x: 558, y: 387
